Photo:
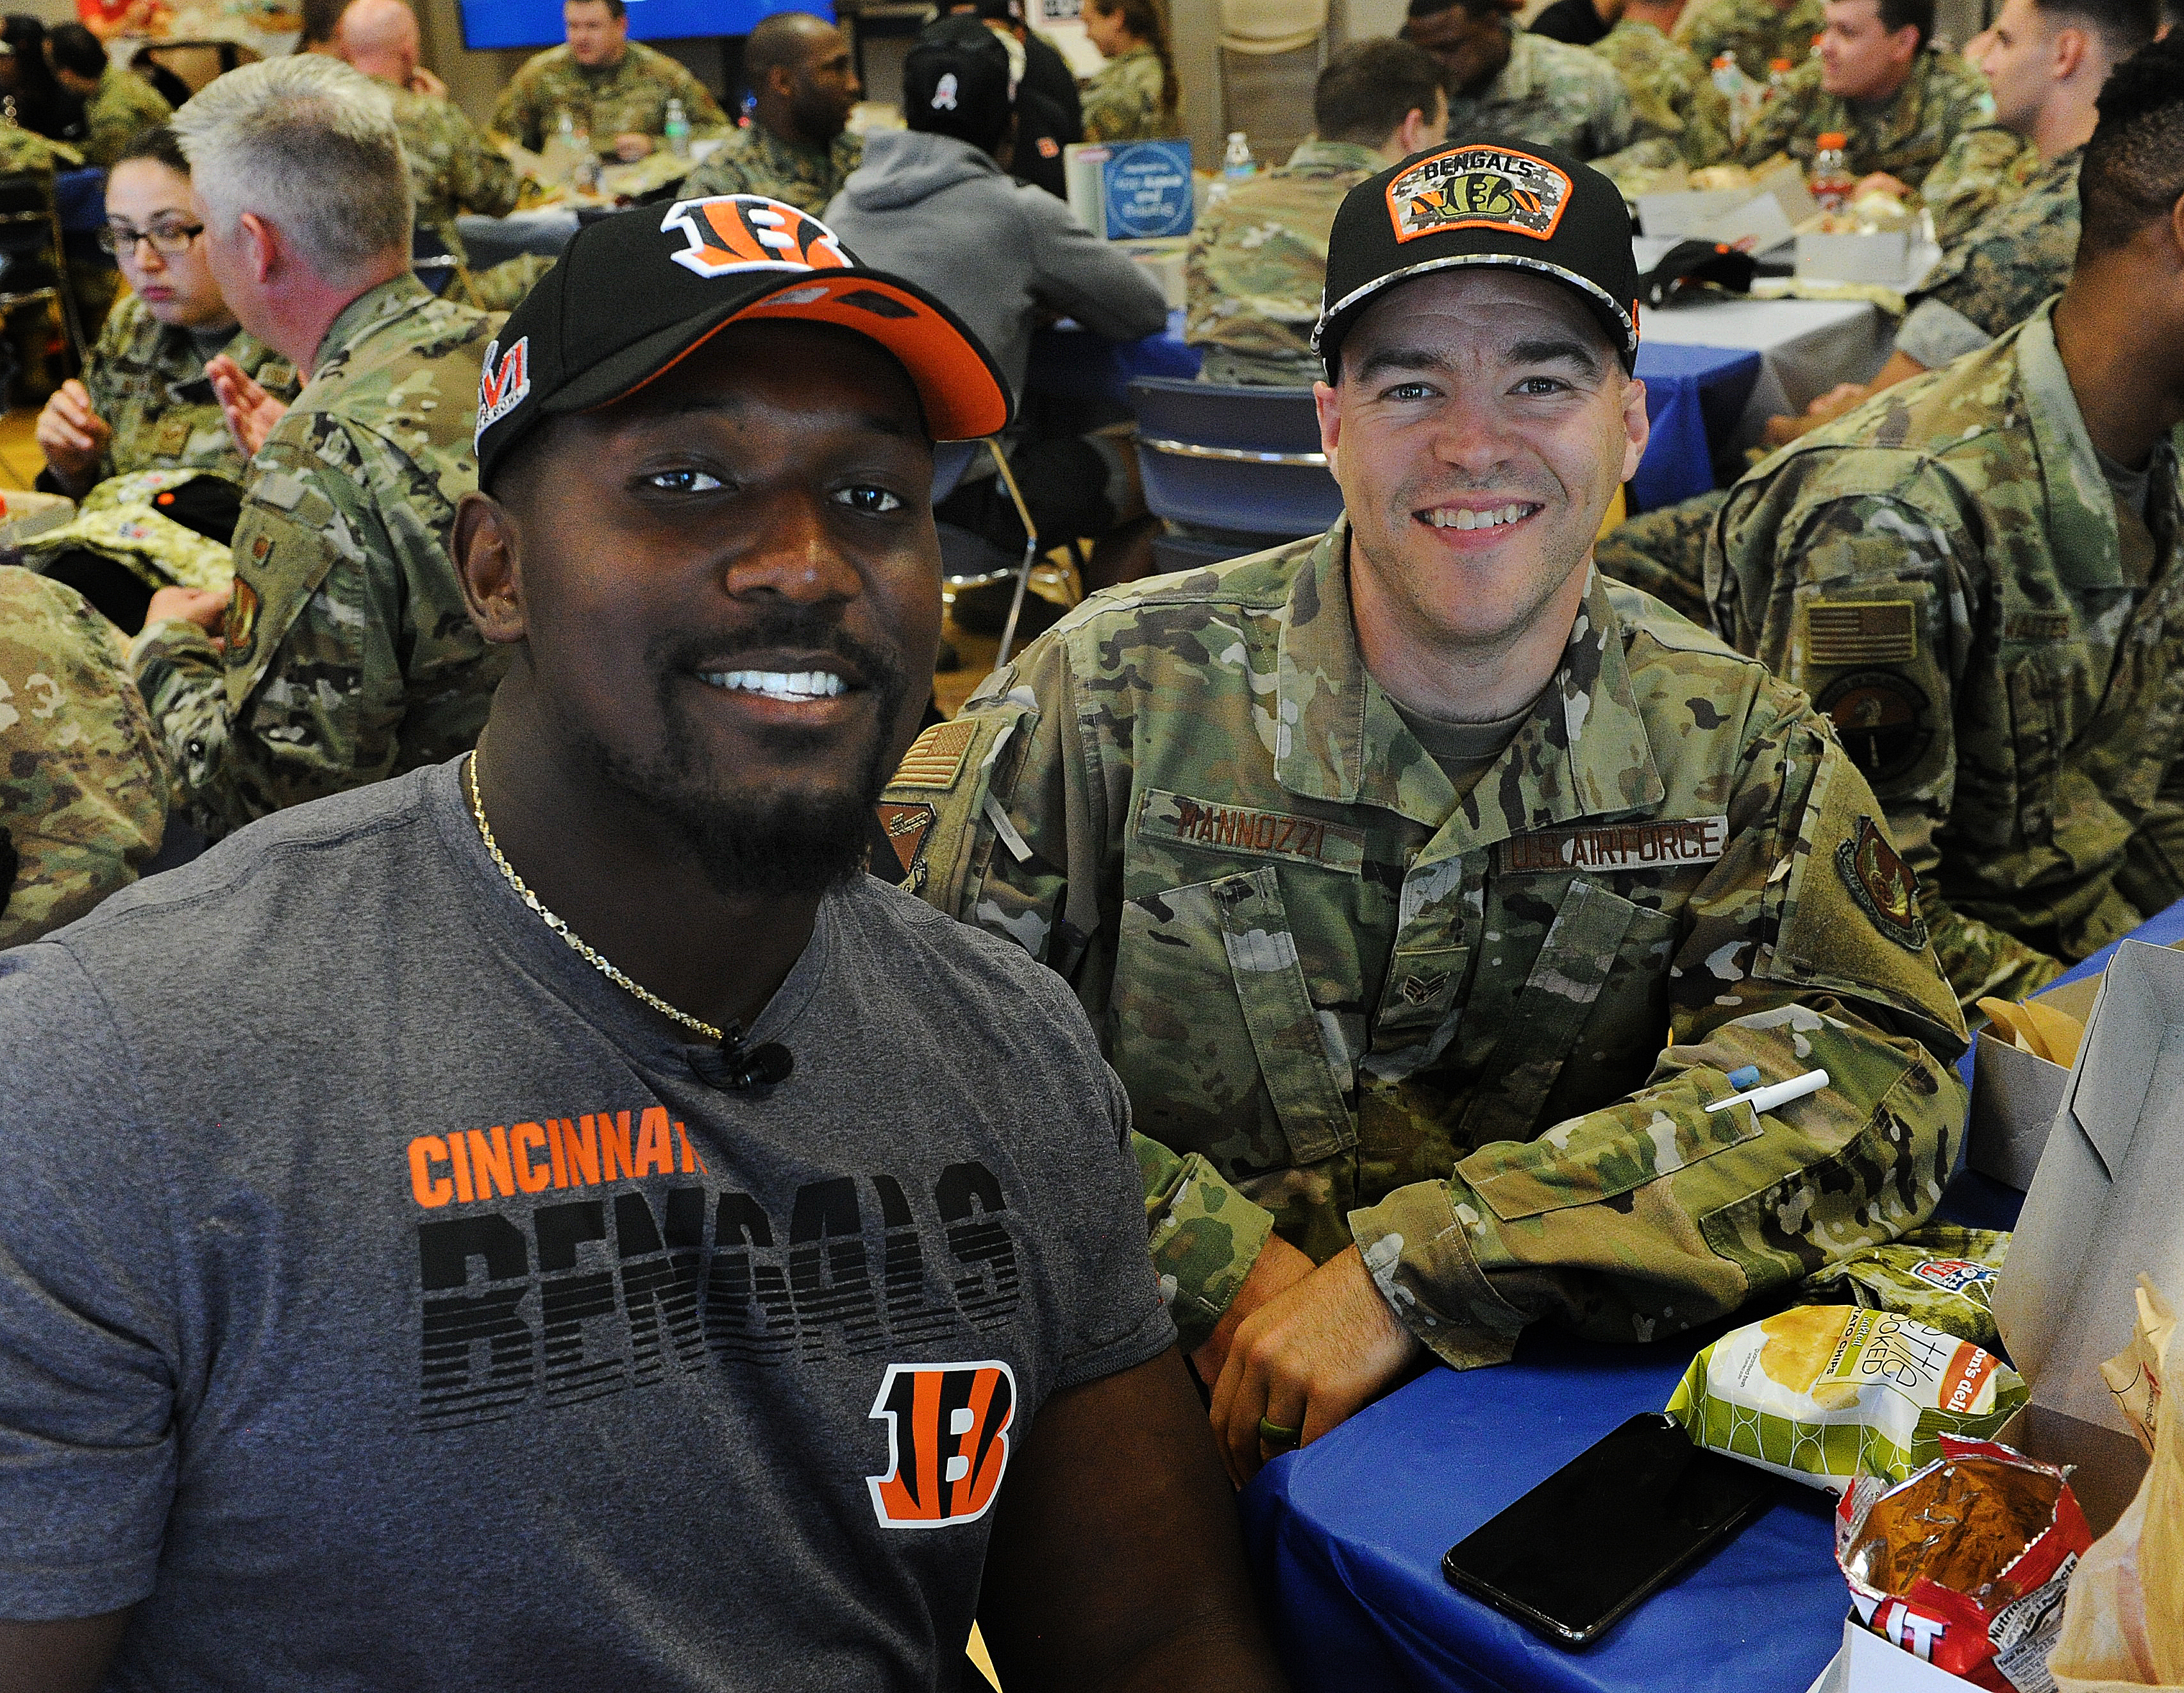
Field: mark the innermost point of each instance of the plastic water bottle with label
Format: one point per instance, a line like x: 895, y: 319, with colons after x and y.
x: 1237, y: 164
x: 1778, y: 77
x: 677, y: 129
x: 1737, y: 89
x: 1831, y: 181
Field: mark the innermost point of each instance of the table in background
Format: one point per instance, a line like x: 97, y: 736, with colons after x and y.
x: 1805, y: 347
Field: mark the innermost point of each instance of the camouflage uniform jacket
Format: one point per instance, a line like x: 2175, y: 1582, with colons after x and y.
x: 1756, y: 31
x: 1942, y: 570
x: 757, y: 161
x: 1983, y: 167
x: 349, y: 656
x: 1551, y: 94
x: 1669, y: 90
x: 1906, y: 137
x: 82, y: 785
x: 452, y: 170
x: 1122, y: 101
x: 147, y: 379
x: 629, y: 96
x: 1258, y: 263
x: 2015, y: 257
x: 1346, y: 1004
x: 123, y: 103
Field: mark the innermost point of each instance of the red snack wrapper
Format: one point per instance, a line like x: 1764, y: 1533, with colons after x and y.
x: 1966, y: 1563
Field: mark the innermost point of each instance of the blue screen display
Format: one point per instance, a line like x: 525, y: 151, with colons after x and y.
x: 538, y: 23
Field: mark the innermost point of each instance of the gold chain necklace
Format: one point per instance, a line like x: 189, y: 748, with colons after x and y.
x: 575, y: 941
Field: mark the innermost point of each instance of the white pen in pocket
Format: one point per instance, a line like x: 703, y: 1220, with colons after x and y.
x: 1776, y: 1094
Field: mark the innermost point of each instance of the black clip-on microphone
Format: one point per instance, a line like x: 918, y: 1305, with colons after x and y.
x: 754, y: 1070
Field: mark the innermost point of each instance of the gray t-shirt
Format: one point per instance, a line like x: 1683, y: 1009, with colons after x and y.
x: 385, y: 1300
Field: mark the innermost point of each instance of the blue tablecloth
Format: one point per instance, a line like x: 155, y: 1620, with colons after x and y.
x: 1694, y: 395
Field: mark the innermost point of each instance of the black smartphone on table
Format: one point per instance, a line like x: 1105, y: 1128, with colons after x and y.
x: 1575, y: 1554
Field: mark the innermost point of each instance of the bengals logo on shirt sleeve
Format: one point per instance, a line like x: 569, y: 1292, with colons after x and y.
x: 948, y: 1442
x: 729, y: 233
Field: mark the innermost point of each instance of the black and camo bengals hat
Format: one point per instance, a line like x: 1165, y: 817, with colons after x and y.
x: 1482, y: 203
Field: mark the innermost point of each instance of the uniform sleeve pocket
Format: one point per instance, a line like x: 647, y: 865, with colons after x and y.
x: 1596, y: 1157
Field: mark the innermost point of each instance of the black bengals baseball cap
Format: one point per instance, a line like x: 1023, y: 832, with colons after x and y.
x: 636, y: 293
x: 1482, y: 203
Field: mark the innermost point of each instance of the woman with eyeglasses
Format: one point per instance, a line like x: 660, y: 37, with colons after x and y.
x: 145, y: 402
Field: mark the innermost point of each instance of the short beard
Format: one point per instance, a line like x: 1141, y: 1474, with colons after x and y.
x: 792, y: 845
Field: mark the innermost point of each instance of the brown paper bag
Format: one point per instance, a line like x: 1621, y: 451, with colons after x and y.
x: 2123, y: 1625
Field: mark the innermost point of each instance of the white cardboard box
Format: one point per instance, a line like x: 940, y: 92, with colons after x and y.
x: 2016, y: 1094
x: 1868, y: 1664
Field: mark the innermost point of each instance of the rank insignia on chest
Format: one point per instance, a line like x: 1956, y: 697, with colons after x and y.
x: 1882, y: 884
x: 1665, y: 844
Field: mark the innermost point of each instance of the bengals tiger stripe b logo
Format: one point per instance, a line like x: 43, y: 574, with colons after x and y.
x: 948, y: 1442
x: 733, y: 232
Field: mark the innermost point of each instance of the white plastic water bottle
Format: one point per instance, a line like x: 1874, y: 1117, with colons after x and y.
x: 1236, y: 162
x: 678, y: 129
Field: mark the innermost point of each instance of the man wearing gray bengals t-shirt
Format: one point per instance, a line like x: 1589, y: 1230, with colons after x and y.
x: 602, y: 1239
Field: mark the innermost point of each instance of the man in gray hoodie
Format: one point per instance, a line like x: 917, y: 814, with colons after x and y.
x: 935, y: 203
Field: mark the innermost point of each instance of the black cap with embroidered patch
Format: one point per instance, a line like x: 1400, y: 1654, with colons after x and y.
x: 636, y: 293
x: 1482, y: 203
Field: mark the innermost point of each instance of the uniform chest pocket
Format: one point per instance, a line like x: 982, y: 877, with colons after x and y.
x: 1597, y: 938
x: 1215, y: 1031
x: 2036, y: 734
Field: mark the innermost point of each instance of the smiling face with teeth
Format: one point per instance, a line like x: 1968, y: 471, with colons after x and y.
x: 725, y: 593
x: 1481, y: 427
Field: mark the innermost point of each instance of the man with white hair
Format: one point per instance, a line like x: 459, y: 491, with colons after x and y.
x: 345, y: 654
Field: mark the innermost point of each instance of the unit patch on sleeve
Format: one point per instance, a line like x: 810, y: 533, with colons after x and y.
x: 1879, y: 631
x: 908, y: 826
x: 1658, y: 845
x: 935, y: 758
x: 1882, y: 884
x: 1881, y: 719
x: 1164, y: 816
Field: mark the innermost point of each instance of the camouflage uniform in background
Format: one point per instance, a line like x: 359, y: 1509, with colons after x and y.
x: 123, y: 103
x: 147, y: 379
x: 1906, y: 137
x: 1551, y: 94
x: 1664, y: 552
x: 1983, y: 167
x: 2012, y: 258
x: 629, y: 96
x: 1348, y: 1004
x: 82, y: 787
x: 452, y: 170
x: 1258, y: 264
x: 757, y: 161
x: 1122, y: 101
x: 1945, y: 571
x: 349, y: 656
x: 1756, y: 31
x: 1669, y: 90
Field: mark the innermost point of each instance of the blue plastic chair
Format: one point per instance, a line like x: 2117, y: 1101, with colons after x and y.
x: 1241, y: 467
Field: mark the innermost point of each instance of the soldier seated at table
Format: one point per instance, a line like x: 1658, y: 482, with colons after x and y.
x: 1258, y: 258
x: 1507, y: 81
x: 117, y: 102
x: 798, y: 147
x: 1897, y: 101
x: 1975, y: 575
x: 144, y: 413
x: 1667, y: 83
x: 2046, y: 61
x: 1390, y: 864
x: 614, y: 87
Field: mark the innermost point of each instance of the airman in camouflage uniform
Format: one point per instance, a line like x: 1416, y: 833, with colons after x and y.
x: 1258, y: 259
x: 757, y: 161
x: 123, y: 103
x: 452, y: 170
x: 1669, y: 89
x: 1983, y: 167
x: 82, y: 784
x: 1664, y: 552
x: 1122, y: 101
x: 1905, y: 136
x: 1552, y: 94
x: 1997, y: 272
x: 1756, y: 31
x: 1347, y: 1005
x: 349, y: 656
x: 146, y: 380
x: 1945, y: 570
x: 629, y: 96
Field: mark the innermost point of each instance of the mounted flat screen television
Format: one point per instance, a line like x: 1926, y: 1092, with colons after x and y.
x: 538, y: 23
